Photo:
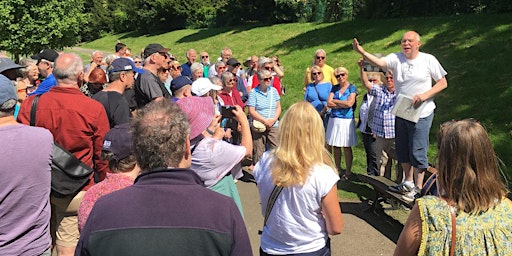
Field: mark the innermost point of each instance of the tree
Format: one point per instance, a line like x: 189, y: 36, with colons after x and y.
x: 28, y: 26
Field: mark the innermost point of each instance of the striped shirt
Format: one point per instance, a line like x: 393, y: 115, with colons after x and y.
x: 264, y: 103
x: 383, y: 125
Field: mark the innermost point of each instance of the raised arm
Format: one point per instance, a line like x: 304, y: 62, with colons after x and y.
x: 372, y: 58
x: 364, y: 78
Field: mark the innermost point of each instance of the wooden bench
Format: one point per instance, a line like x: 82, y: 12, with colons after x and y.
x: 380, y: 186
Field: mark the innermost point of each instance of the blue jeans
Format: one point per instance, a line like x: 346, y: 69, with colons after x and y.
x: 412, y: 141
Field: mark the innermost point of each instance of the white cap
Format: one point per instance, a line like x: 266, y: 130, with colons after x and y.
x: 202, y: 86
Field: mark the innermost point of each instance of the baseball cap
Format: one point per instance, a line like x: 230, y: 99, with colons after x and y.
x: 248, y: 62
x: 6, y: 64
x: 124, y: 64
x: 202, y: 85
x: 7, y: 90
x: 154, y: 48
x: 119, y: 141
x: 47, y: 54
x: 178, y: 82
x: 199, y: 112
x: 233, y: 62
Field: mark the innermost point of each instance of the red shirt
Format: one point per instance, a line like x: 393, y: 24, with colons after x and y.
x: 276, y: 83
x: 77, y: 122
x: 233, y: 99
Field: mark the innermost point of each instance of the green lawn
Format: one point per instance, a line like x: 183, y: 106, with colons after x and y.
x: 475, y: 50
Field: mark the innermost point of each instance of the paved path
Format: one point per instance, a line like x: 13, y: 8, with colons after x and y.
x: 364, y: 233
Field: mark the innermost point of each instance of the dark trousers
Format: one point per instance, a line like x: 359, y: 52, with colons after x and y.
x: 372, y: 163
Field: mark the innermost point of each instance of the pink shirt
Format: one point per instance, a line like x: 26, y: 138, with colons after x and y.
x: 113, y: 182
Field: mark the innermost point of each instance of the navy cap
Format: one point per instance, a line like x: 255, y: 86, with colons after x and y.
x: 119, y: 141
x: 7, y: 64
x: 178, y: 82
x: 124, y: 64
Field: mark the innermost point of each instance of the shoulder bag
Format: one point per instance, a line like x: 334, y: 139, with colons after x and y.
x: 69, y: 174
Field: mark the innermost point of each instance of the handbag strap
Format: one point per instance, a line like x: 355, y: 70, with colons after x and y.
x: 271, y: 201
x: 33, y: 110
x: 454, y: 227
x: 318, y: 94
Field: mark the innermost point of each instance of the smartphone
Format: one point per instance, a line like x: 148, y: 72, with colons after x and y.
x: 228, y: 118
x: 227, y: 111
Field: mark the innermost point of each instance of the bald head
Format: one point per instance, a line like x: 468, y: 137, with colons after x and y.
x: 68, y: 69
x: 410, y: 44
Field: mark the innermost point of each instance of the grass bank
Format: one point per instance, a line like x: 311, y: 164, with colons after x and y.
x: 475, y: 50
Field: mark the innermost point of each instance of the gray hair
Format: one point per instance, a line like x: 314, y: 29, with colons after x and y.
x: 110, y: 58
x: 215, y: 80
x: 225, y: 77
x: 159, y: 132
x: 189, y: 50
x: 26, y: 63
x: 263, y: 60
x: 69, y: 70
x: 320, y: 51
x: 195, y: 67
x: 262, y: 73
x: 7, y: 108
x: 96, y: 52
x: 225, y: 49
x: 114, y: 76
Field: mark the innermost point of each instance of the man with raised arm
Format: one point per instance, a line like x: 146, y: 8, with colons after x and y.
x: 413, y: 74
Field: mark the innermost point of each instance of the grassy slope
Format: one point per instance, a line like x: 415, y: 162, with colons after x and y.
x: 475, y: 50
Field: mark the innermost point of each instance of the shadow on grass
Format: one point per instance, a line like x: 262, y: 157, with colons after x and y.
x: 207, y: 33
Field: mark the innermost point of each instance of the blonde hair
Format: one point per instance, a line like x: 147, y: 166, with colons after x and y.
x: 468, y: 167
x: 341, y: 70
x: 300, y: 146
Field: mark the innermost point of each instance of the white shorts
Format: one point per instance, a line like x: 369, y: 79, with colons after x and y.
x: 341, y: 132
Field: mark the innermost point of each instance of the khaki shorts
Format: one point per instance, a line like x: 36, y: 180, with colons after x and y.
x: 64, y: 220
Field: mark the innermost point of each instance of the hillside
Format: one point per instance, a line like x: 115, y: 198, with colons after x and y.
x: 475, y: 50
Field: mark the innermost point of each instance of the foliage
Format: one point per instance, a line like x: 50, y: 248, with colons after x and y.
x: 28, y: 26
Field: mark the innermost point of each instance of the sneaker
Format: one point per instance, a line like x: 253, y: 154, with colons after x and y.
x: 413, y: 195
x: 401, y: 188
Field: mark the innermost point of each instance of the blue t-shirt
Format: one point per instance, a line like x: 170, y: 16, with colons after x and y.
x: 45, y: 86
x: 185, y: 70
x: 347, y: 113
x: 318, y: 97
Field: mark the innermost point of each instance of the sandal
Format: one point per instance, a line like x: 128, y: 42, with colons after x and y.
x: 345, y: 177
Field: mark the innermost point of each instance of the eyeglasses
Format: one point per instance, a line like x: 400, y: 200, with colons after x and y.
x: 340, y: 75
x: 204, y: 57
x: 177, y: 67
x: 320, y: 57
x: 373, y: 80
x: 268, y: 68
x: 22, y: 90
x: 164, y: 54
x: 389, y: 78
x: 267, y: 79
x: 316, y: 73
x: 31, y: 88
x: 221, y: 67
x: 137, y: 62
x: 233, y: 80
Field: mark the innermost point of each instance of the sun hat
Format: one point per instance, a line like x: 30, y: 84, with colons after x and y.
x: 199, y: 112
x: 202, y: 86
x: 6, y: 64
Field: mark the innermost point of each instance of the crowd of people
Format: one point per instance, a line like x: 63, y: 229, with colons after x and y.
x: 167, y: 143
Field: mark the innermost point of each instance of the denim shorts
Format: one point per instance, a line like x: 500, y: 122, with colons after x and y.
x: 412, y: 141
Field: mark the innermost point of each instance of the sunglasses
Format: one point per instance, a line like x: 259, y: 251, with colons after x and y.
x: 340, y: 75
x: 316, y: 73
x: 268, y: 68
x: 177, y: 67
x: 267, y: 79
x: 233, y: 80
x: 204, y: 57
x: 389, y: 78
x: 164, y: 54
x: 23, y: 90
x: 137, y: 62
x: 320, y: 57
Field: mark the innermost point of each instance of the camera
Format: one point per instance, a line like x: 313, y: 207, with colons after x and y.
x: 228, y: 120
x: 227, y: 111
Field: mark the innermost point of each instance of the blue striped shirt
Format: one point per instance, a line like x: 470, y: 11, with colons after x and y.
x: 383, y: 125
x: 262, y: 103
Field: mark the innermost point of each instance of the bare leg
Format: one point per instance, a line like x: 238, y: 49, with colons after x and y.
x: 348, y: 160
x: 408, y: 172
x: 63, y: 251
x: 337, y: 156
x: 419, y: 175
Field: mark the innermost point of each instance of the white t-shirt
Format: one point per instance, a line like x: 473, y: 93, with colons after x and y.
x: 415, y: 76
x: 296, y: 224
x: 212, y: 159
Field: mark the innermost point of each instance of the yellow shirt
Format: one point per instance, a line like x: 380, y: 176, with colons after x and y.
x: 328, y: 72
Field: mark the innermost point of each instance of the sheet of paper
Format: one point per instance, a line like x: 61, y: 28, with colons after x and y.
x: 403, y: 108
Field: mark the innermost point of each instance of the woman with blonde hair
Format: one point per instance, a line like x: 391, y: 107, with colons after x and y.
x: 306, y: 210
x: 472, y: 206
